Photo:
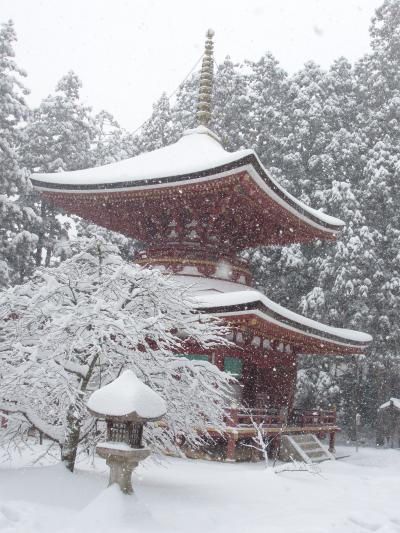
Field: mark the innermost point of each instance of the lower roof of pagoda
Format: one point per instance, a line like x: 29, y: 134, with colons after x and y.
x: 249, y: 308
x: 191, y: 182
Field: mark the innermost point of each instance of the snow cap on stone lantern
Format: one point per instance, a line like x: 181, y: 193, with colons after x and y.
x: 127, y: 398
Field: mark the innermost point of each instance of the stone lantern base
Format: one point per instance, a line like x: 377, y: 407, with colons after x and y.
x: 122, y: 462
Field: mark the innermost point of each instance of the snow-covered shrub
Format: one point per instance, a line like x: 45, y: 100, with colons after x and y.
x: 74, y: 328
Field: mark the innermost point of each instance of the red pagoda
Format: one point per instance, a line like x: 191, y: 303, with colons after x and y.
x: 196, y: 206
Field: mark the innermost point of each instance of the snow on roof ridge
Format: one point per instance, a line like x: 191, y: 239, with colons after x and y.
x: 201, y: 130
x: 193, y: 152
x: 392, y: 401
x: 237, y: 294
x: 198, y: 150
x: 244, y: 297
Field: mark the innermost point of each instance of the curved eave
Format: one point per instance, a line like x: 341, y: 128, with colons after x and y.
x: 249, y: 163
x: 329, y: 340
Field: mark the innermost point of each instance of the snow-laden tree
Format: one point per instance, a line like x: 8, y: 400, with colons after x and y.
x: 111, y: 142
x: 184, y: 108
x: 63, y: 134
x: 74, y: 327
x: 317, y: 385
x: 126, y: 246
x: 13, y: 111
x: 378, y: 82
x: 267, y: 117
x: 231, y: 114
x: 159, y: 130
x: 60, y: 133
x: 59, y: 136
x: 17, y: 240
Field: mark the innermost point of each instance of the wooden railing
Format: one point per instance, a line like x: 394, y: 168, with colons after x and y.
x: 239, y: 417
x: 318, y: 417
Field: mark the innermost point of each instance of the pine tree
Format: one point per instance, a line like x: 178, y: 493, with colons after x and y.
x: 59, y: 136
x: 17, y: 238
x: 231, y: 105
x: 111, y: 143
x: 379, y: 97
x: 160, y: 130
x: 61, y: 131
x: 267, y: 119
x: 184, y: 104
x: 14, y: 111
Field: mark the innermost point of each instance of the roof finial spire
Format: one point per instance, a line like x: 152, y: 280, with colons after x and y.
x: 203, y: 113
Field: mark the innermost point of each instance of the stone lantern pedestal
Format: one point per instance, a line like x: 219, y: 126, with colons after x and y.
x: 122, y: 463
x: 126, y: 405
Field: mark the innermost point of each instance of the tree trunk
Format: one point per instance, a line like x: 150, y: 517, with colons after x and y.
x: 72, y: 433
x: 75, y: 417
x: 49, y: 250
x: 39, y: 248
x: 41, y: 234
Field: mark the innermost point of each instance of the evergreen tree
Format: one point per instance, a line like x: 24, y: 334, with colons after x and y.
x: 184, y: 106
x: 111, y: 143
x: 14, y: 111
x: 231, y: 106
x: 268, y: 87
x: 59, y: 136
x: 17, y: 240
x: 160, y: 130
x: 378, y: 80
x: 60, y: 133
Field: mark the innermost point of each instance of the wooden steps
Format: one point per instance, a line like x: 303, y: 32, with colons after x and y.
x: 304, y: 447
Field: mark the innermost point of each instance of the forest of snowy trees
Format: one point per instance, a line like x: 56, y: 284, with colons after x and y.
x: 330, y: 137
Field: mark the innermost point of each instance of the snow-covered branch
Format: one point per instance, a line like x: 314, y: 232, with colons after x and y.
x: 72, y: 328
x: 50, y: 431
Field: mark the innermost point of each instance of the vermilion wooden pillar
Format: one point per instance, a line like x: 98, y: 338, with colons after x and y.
x: 231, y: 436
x: 332, y: 438
x: 231, y: 447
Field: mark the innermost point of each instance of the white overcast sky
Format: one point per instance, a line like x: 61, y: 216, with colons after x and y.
x: 127, y: 52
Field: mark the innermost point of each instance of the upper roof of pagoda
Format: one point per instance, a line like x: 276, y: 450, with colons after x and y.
x: 196, y: 173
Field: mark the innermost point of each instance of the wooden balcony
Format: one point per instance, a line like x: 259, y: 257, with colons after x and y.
x: 240, y: 418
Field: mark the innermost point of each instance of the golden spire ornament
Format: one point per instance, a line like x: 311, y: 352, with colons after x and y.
x: 204, y: 100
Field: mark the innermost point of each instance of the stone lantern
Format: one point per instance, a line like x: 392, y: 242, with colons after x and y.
x: 126, y: 405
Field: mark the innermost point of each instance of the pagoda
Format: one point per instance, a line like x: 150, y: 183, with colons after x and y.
x: 196, y: 206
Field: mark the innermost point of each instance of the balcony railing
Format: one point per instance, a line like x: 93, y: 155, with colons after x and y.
x: 240, y: 417
x: 318, y: 417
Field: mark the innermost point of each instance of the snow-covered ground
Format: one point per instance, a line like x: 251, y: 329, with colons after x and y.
x: 356, y: 494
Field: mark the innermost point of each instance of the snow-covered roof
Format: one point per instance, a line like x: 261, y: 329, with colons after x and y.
x: 127, y: 396
x: 225, y: 298
x: 393, y: 402
x: 197, y: 156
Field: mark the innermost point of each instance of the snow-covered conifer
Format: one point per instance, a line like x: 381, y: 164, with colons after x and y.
x: 160, y: 129
x: 58, y: 136
x: 17, y: 236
